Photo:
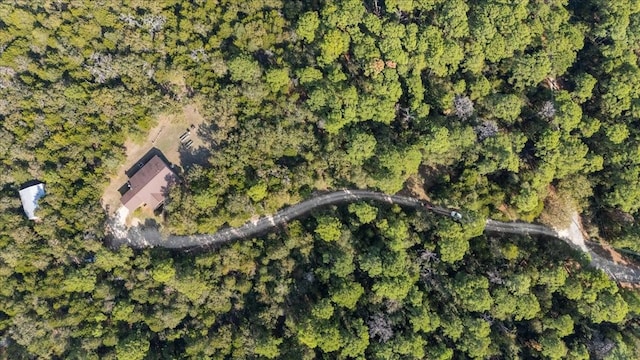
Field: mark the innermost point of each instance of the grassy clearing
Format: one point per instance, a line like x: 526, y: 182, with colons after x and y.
x: 165, y: 136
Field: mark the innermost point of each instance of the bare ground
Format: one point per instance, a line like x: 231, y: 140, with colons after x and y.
x: 615, y: 256
x: 165, y: 136
x: 508, y: 211
x: 415, y: 185
x: 574, y: 232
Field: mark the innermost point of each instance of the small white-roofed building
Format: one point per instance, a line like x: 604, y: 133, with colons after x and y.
x: 29, y: 197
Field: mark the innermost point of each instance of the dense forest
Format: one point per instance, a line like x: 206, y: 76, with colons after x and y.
x: 519, y: 109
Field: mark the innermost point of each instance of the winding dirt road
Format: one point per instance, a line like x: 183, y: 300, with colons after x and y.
x: 138, y: 237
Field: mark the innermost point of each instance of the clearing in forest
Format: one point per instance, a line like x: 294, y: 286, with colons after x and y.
x: 416, y: 186
x: 165, y: 136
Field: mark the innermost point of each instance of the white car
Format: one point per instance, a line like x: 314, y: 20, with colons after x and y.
x: 456, y: 216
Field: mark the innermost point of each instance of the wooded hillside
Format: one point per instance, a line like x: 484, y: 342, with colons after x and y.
x: 510, y: 109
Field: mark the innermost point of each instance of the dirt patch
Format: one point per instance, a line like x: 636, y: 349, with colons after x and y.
x: 165, y: 136
x: 415, y: 185
x: 599, y: 250
x: 508, y: 212
x: 614, y: 255
x: 629, y: 285
x: 609, y: 253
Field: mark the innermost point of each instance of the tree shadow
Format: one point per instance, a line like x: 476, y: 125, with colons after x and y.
x: 29, y: 184
x: 607, y: 253
x: 206, y: 132
x: 543, y: 246
x: 150, y: 223
x: 172, y: 180
x: 194, y: 156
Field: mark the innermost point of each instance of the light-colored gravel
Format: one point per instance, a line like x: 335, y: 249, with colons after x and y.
x: 117, y: 224
x: 574, y: 232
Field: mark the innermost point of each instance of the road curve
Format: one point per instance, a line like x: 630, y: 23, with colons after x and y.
x: 618, y: 272
x: 139, y: 237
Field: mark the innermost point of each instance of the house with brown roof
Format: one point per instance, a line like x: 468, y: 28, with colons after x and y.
x: 149, y: 185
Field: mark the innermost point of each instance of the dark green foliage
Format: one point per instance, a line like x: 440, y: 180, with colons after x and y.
x: 506, y: 105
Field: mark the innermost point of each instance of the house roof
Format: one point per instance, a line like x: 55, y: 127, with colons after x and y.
x: 148, y: 185
x: 29, y: 197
